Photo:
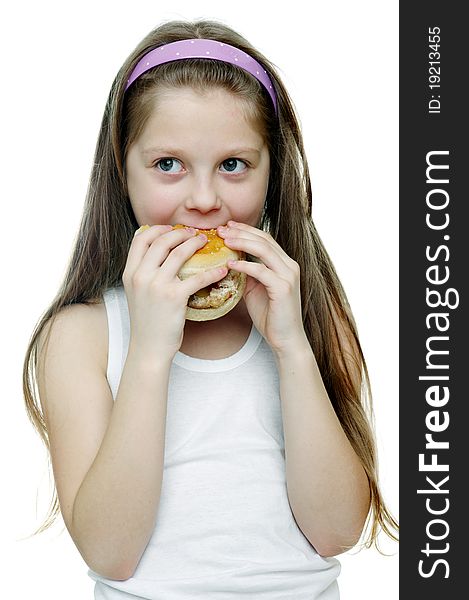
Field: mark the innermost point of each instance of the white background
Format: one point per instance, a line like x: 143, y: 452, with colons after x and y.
x: 339, y: 61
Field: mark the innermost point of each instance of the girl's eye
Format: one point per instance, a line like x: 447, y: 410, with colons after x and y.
x: 169, y: 165
x: 233, y: 165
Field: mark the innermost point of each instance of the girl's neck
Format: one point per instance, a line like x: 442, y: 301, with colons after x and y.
x: 218, y: 338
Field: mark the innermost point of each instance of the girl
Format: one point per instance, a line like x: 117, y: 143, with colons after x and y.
x: 225, y: 457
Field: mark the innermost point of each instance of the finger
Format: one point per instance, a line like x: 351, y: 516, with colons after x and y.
x: 141, y: 229
x: 156, y: 253
x: 193, y: 284
x: 271, y: 257
x: 245, y: 227
x: 241, y: 230
x: 256, y: 270
x: 235, y: 227
x: 181, y: 253
x: 142, y: 240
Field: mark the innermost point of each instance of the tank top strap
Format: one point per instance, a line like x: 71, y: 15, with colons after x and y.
x: 119, y: 332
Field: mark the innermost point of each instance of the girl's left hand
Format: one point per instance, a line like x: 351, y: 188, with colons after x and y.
x: 272, y: 292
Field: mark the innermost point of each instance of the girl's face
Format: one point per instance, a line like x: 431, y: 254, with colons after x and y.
x: 199, y: 161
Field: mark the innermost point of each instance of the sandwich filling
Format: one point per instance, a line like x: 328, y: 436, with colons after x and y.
x: 217, y: 294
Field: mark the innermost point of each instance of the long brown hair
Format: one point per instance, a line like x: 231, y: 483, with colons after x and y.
x: 108, y: 225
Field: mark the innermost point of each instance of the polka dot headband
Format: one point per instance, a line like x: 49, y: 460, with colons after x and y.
x: 198, y: 48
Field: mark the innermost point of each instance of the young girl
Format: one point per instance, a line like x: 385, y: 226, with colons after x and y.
x: 204, y: 459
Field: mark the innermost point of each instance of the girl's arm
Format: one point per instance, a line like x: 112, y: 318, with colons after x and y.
x: 327, y: 486
x: 107, y: 457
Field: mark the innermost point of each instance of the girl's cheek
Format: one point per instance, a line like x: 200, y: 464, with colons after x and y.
x: 159, y: 202
x: 160, y: 212
x: 248, y: 206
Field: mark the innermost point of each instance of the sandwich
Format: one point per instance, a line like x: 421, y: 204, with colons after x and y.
x: 222, y: 296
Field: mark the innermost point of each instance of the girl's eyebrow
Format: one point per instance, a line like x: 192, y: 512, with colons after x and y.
x: 242, y: 150
x: 167, y: 150
x: 161, y: 150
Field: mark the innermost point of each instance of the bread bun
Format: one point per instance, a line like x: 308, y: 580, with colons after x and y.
x: 222, y: 296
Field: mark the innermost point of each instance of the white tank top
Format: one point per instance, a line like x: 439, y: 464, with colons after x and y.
x: 224, y: 527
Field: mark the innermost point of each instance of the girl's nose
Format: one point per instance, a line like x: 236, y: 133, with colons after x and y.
x: 203, y: 196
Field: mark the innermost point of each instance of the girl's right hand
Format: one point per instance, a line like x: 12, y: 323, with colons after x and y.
x: 156, y: 297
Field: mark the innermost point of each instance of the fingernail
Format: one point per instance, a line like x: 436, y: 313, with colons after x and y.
x: 203, y: 236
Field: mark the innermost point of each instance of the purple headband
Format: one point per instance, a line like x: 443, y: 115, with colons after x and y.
x: 198, y: 48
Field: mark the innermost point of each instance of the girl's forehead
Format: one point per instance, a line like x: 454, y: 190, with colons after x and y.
x: 168, y: 96
x: 186, y: 112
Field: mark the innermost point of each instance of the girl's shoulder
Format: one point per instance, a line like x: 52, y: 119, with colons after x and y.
x: 81, y: 327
